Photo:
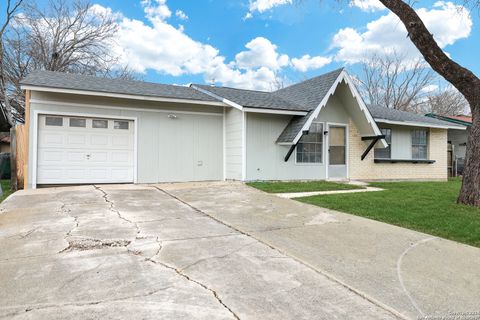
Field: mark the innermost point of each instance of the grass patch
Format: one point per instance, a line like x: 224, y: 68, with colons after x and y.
x: 428, y: 207
x: 6, y: 189
x: 298, y: 186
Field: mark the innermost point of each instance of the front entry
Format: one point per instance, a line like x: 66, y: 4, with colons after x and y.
x: 337, y: 151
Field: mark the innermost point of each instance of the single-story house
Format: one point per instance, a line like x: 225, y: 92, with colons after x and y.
x: 457, y: 139
x: 84, y: 129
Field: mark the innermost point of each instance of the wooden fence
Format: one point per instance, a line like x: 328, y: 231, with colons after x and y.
x: 19, y: 155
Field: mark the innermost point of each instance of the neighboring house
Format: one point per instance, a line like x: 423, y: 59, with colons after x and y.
x: 92, y: 130
x: 4, y: 142
x: 457, y: 138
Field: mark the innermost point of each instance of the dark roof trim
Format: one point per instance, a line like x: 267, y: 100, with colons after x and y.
x: 404, y: 161
x: 448, y: 119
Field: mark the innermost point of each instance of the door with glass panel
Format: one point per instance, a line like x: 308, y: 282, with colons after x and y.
x: 337, y: 151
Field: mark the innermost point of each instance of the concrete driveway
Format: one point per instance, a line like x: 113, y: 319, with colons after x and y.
x: 217, y: 251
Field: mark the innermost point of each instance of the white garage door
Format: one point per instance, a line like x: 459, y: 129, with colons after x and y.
x: 75, y: 150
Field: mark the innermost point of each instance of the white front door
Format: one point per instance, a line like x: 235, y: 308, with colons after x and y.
x: 75, y: 150
x: 337, y: 151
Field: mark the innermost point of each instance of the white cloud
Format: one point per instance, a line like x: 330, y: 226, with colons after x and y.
x: 181, y: 15
x: 261, y: 53
x: 156, y: 9
x: 159, y: 46
x: 307, y: 62
x: 264, y: 5
x: 446, y: 21
x: 367, y: 5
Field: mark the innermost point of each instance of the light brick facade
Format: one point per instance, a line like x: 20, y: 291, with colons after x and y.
x: 368, y: 170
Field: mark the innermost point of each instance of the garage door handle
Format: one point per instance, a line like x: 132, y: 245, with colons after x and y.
x: 88, y: 156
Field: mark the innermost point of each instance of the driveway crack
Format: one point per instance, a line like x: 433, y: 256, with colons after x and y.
x: 204, y: 286
x: 29, y: 308
x: 322, y: 272
x: 116, y: 211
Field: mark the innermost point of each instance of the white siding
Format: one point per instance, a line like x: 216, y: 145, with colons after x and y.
x: 233, y: 144
x: 195, y: 137
x: 265, y: 158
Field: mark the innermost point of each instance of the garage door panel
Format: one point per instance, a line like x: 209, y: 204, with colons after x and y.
x: 99, y: 173
x: 121, y: 156
x: 78, y: 140
x: 99, y: 140
x: 76, y: 156
x: 49, y: 173
x: 51, y: 139
x: 96, y: 156
x: 52, y: 156
x: 84, y: 154
x: 76, y: 174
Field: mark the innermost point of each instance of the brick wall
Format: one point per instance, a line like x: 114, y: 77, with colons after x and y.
x: 368, y: 170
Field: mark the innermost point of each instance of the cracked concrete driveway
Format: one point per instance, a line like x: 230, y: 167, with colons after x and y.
x: 217, y: 251
x: 136, y: 252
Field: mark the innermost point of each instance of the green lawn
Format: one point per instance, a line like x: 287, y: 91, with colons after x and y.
x: 6, y: 189
x: 428, y: 207
x: 307, y: 186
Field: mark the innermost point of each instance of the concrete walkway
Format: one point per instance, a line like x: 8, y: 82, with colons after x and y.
x: 142, y: 252
x: 414, y: 273
x: 292, y: 195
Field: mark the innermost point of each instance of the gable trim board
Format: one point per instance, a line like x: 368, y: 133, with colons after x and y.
x: 343, y: 76
x: 243, y: 140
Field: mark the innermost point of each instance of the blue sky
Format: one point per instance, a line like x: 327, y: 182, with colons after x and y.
x: 253, y: 43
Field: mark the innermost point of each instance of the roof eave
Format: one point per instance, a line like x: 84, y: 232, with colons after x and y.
x: 418, y: 124
x: 275, y: 111
x: 119, y: 95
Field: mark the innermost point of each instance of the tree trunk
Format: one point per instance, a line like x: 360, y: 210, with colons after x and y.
x: 463, y: 79
x: 470, y: 192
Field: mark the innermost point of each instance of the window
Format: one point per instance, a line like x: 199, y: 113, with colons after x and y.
x: 309, y: 149
x: 78, y: 122
x: 123, y: 125
x: 54, y: 121
x: 419, y: 144
x: 100, y: 124
x: 385, y: 153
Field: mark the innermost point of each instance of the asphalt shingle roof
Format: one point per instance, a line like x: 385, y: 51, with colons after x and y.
x: 90, y: 83
x: 293, y: 128
x: 379, y: 112
x: 253, y: 99
x: 309, y: 93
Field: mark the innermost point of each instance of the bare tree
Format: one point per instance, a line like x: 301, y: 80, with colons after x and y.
x: 467, y: 83
x: 446, y: 102
x: 388, y: 81
x: 66, y: 36
x: 277, y: 83
x: 6, y: 106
